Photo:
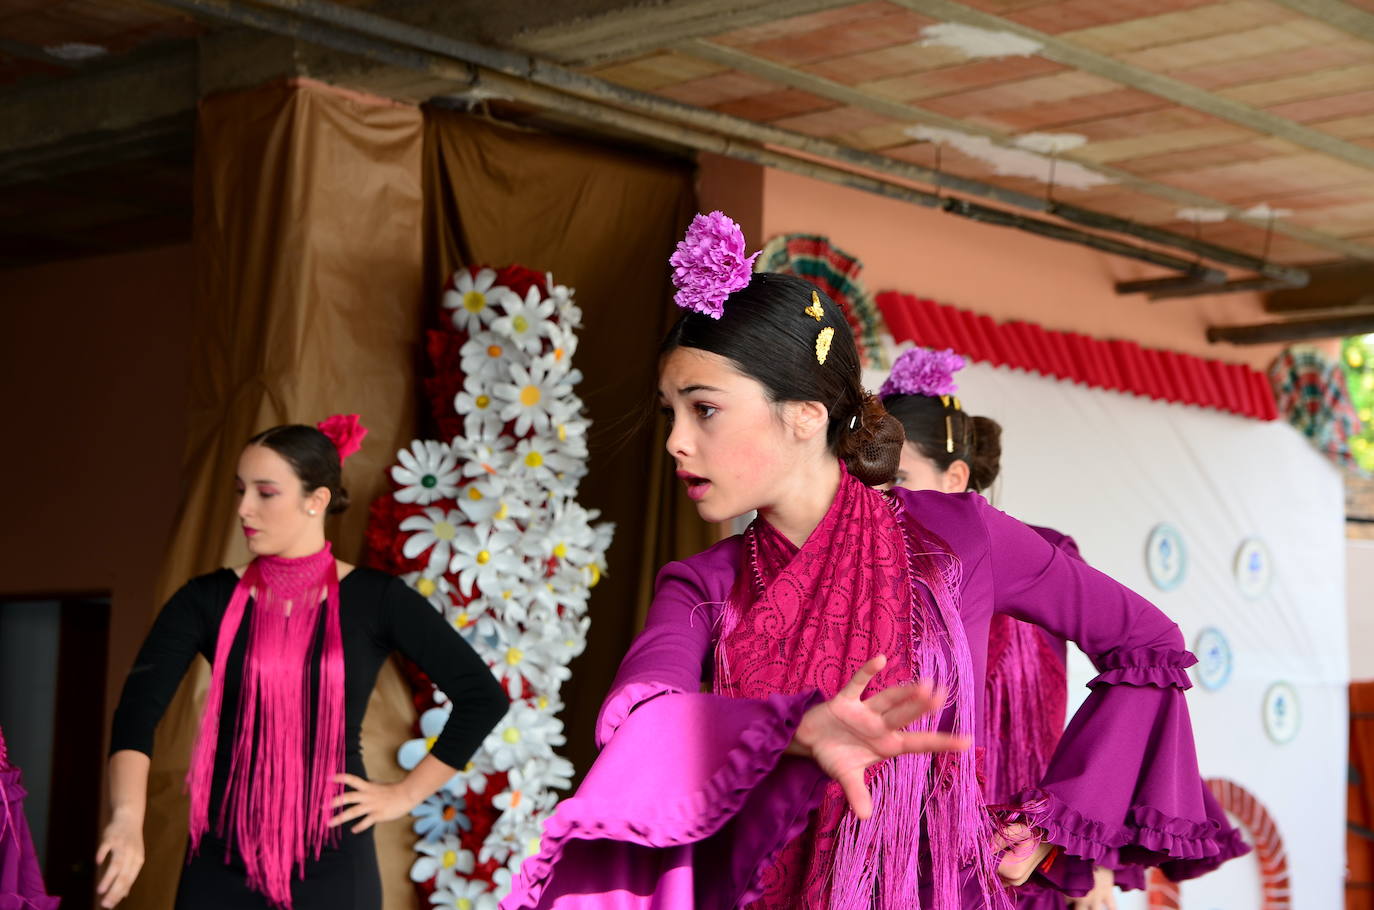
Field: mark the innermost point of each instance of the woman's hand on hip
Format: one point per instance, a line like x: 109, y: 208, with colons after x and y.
x: 369, y: 802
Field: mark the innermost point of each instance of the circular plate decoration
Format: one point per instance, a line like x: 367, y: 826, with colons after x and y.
x: 1282, y: 712
x: 1254, y: 568
x: 1214, y: 659
x: 1263, y: 834
x: 1166, y: 557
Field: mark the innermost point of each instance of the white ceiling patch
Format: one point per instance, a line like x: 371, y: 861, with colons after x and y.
x: 1014, y: 162
x: 978, y: 43
x: 1202, y: 216
x: 1050, y: 143
x: 1264, y: 211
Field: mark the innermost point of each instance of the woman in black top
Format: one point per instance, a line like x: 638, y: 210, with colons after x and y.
x: 284, y: 714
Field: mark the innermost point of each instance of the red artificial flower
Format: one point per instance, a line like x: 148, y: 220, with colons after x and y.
x: 345, y: 431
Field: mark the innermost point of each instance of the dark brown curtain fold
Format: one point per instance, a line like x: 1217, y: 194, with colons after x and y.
x: 604, y: 222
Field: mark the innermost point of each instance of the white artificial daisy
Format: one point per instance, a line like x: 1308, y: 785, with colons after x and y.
x: 565, y: 638
x: 435, y: 531
x: 463, y: 616
x: 517, y: 800
x: 501, y: 845
x: 563, y: 533
x: 524, y: 733
x: 527, y: 656
x: 495, y: 498
x: 569, y: 427
x: 442, y: 860
x: 562, y: 296
x: 539, y: 460
x: 525, y: 322
x: 562, y: 344
x: 487, y: 355
x: 427, y: 472
x: 482, y: 457
x: 412, y: 751
x: 433, y: 588
x: 473, y: 299
x: 473, y: 776
x: 486, y: 556
x: 529, y: 394
x: 480, y: 412
x: 464, y: 894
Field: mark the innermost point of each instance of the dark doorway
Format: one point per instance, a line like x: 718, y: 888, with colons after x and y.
x: 52, y: 707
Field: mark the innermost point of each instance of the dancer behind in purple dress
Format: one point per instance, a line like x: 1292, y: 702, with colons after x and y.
x: 294, y: 640
x: 782, y: 787
x: 952, y: 451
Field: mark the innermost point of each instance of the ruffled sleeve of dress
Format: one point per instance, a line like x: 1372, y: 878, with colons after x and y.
x: 1122, y: 789
x: 692, y: 794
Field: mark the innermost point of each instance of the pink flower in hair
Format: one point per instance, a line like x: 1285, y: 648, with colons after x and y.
x: 710, y: 264
x: 345, y: 431
x: 921, y: 371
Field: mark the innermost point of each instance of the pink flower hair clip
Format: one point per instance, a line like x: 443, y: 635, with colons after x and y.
x: 709, y: 264
x: 345, y: 431
x: 921, y: 371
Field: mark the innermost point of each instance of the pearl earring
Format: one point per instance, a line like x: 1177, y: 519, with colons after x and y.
x: 312, y: 511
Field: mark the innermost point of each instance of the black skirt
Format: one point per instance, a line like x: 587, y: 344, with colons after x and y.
x: 343, y: 878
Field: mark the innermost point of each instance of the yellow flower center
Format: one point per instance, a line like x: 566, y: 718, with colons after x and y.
x: 532, y: 847
x: 450, y: 813
x: 562, y: 432
x: 512, y: 735
x: 494, y: 351
x: 450, y: 857
x: 430, y: 741
x: 520, y: 323
x: 474, y: 301
x: 482, y: 402
x: 534, y: 459
x: 593, y: 575
x: 483, y: 557
x: 474, y: 494
x: 557, y: 353
x: 462, y: 620
x: 543, y: 701
x: 463, y: 903
x: 529, y: 396
x: 467, y: 769
x: 561, y: 550
x: 515, y: 796
x: 514, y: 656
x: 426, y: 587
x: 444, y: 531
x: 502, y: 512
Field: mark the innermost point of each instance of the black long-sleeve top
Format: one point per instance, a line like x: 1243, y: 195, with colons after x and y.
x: 378, y: 614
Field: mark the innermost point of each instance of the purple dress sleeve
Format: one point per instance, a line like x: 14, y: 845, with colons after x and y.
x: 1123, y: 787
x: 692, y: 794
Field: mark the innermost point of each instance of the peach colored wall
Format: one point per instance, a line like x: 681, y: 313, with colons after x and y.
x: 93, y: 369
x: 1000, y: 272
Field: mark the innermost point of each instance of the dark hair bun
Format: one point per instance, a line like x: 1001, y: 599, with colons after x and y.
x: 873, y: 449
x: 985, y: 453
x: 339, y: 501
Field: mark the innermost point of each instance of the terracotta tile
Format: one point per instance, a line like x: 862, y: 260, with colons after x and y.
x: 1347, y: 105
x: 900, y: 27
x: 1158, y: 143
x: 1271, y: 178
x: 1323, y: 84
x: 1184, y: 25
x: 718, y: 89
x: 655, y: 71
x: 1160, y: 166
x: 830, y: 122
x: 1054, y: 18
x: 1166, y: 119
x: 1264, y: 41
x: 963, y: 77
x: 1063, y: 86
x: 799, y: 25
x: 1273, y: 66
x: 773, y: 105
x: 1064, y: 114
x: 1357, y: 127
x: 884, y: 63
x: 872, y: 138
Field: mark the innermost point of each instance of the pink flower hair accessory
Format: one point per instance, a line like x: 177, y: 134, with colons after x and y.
x: 710, y: 265
x: 345, y: 431
x: 921, y: 371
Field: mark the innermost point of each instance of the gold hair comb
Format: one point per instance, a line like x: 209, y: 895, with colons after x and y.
x: 815, y: 308
x: 823, y: 344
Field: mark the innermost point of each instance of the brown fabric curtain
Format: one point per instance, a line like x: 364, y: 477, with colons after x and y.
x: 604, y: 222
x: 308, y: 255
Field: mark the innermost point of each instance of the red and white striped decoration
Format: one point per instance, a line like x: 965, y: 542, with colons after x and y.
x: 1264, y: 836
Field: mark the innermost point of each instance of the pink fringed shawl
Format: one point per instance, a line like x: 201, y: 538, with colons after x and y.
x: 1026, y: 700
x: 809, y: 618
x: 276, y: 805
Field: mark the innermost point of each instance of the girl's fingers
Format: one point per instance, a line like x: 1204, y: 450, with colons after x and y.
x: 353, y: 780
x: 856, y: 685
x: 348, y: 815
x: 933, y: 742
x: 363, y: 825
x: 856, y: 791
x: 348, y: 797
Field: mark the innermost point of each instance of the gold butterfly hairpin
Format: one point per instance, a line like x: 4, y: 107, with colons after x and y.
x: 815, y: 308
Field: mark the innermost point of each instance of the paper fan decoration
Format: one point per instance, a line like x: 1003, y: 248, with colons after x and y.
x: 836, y: 272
